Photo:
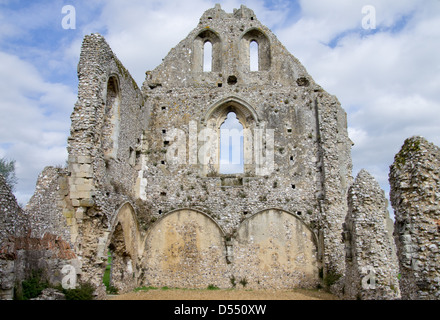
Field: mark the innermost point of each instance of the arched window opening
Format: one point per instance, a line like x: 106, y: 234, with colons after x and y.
x: 111, y: 119
x: 207, y: 52
x: 207, y: 57
x: 231, y: 146
x: 255, y: 52
x: 253, y: 55
x: 112, y: 94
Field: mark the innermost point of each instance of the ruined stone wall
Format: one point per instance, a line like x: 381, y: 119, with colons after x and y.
x: 37, y: 239
x: 104, y: 156
x: 336, y: 168
x: 186, y: 249
x: 371, y: 263
x: 9, y: 210
x: 311, y: 150
x: 274, y: 249
x: 415, y: 196
x: 46, y: 210
x: 143, y: 178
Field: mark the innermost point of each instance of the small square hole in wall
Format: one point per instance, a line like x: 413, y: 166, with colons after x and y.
x: 293, y: 186
x: 289, y: 130
x: 163, y: 193
x: 299, y: 213
x: 164, y: 108
x: 164, y: 131
x: 160, y: 211
x: 219, y: 85
x: 291, y: 158
x: 162, y: 162
x: 165, y: 143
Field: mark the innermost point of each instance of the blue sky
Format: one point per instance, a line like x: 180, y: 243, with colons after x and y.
x: 387, y: 79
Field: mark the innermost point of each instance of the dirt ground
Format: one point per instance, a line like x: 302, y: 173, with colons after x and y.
x: 235, y: 294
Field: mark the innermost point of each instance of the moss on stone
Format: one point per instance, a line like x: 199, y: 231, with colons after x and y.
x: 410, y: 147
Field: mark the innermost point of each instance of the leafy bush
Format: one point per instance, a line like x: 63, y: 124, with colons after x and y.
x: 83, y: 292
x: 32, y: 286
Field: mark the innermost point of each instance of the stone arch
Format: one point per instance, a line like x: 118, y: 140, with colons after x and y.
x: 199, y: 43
x: 264, y: 49
x: 185, y: 248
x: 124, y: 243
x: 246, y: 114
x: 276, y: 249
x: 214, y: 117
x: 111, y: 122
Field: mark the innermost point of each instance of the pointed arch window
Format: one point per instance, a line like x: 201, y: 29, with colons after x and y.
x: 255, y: 51
x: 253, y: 56
x: 111, y: 118
x: 207, y: 56
x: 231, y: 145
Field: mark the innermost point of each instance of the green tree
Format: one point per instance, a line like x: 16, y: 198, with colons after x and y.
x: 7, y: 169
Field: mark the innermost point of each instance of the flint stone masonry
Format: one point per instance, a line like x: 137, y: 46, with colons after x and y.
x: 122, y: 190
x: 143, y: 182
x: 36, y: 238
x: 415, y: 196
x: 9, y: 210
x: 309, y: 130
x: 274, y: 249
x: 371, y: 263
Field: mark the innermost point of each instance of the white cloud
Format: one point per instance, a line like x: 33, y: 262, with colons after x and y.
x: 34, y: 122
x: 386, y: 79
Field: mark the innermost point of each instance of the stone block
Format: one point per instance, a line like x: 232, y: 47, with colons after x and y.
x: 62, y: 182
x: 80, y: 213
x: 74, y: 168
x: 68, y: 213
x: 86, y: 202
x: 72, y: 159
x: 86, y: 186
x: 84, y: 159
x: 81, y: 194
x: 84, y: 174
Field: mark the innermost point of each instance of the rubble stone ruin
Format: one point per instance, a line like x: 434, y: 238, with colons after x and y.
x: 145, y: 183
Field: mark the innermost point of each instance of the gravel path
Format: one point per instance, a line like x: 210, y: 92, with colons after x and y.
x: 194, y: 294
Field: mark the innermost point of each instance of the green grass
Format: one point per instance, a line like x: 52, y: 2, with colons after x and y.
x: 145, y: 288
x: 213, y: 287
x: 106, y: 279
